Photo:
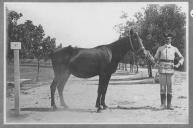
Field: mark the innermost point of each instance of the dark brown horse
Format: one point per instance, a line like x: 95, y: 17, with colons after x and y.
x: 85, y: 63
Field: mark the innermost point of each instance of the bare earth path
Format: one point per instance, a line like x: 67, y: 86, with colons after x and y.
x: 130, y: 100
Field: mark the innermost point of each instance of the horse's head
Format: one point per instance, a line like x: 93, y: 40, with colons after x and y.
x: 138, y: 47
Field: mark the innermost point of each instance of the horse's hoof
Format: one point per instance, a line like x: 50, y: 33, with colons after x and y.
x: 53, y: 108
x: 97, y: 105
x: 99, y: 110
x: 105, y: 107
x: 65, y: 107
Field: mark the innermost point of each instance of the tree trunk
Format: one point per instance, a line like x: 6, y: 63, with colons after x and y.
x: 137, y: 69
x: 125, y: 67
x: 38, y: 72
x: 149, y: 70
x: 130, y: 67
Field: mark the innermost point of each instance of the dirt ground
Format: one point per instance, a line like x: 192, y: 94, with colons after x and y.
x: 132, y: 99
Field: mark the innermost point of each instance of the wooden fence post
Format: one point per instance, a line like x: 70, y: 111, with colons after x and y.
x: 16, y: 46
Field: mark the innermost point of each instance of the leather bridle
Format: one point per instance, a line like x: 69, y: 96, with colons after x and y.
x: 134, y: 50
x: 148, y: 55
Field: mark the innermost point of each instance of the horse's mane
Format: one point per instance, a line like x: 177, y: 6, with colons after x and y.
x: 121, y: 44
x: 118, y: 42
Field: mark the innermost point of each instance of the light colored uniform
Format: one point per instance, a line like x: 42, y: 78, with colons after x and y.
x: 165, y: 55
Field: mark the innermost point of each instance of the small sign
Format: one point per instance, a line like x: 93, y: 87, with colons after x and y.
x: 15, y: 45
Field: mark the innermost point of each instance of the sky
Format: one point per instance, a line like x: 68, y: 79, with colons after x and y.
x: 80, y: 24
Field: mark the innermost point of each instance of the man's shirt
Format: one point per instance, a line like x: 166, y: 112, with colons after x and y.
x: 168, y: 52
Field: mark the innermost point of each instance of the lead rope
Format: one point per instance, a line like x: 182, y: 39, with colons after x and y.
x: 131, y: 43
x: 142, y: 47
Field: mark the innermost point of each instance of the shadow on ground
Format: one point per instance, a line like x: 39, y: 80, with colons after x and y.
x: 128, y: 81
x: 137, y: 108
x: 42, y: 109
x: 86, y: 110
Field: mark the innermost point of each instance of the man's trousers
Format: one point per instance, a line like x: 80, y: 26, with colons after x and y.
x: 166, y: 82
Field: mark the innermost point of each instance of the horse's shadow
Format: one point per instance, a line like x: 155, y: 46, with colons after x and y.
x: 46, y: 109
x: 91, y: 110
x: 136, y: 108
x: 127, y: 81
x: 151, y: 108
x: 86, y: 110
x: 37, y: 109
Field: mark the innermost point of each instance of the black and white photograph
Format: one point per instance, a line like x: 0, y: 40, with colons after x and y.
x: 96, y: 63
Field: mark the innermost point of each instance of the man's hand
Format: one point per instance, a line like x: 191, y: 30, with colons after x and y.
x: 177, y: 65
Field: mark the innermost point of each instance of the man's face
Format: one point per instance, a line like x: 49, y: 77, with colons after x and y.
x: 168, y: 40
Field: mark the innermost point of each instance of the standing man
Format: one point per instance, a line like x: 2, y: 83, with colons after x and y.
x: 165, y: 57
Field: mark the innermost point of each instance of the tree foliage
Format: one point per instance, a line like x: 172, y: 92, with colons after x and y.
x: 153, y: 23
x: 160, y: 20
x: 11, y: 30
x: 33, y: 42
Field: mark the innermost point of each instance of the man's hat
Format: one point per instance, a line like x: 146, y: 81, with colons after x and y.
x: 169, y: 35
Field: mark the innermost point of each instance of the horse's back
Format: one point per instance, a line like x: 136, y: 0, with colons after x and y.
x: 89, y: 62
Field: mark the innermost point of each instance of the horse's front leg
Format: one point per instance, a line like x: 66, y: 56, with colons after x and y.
x: 104, y: 90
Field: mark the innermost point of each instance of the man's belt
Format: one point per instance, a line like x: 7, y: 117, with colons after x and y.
x: 166, y: 67
x: 163, y: 60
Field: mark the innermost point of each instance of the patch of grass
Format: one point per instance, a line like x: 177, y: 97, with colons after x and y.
x: 30, y: 72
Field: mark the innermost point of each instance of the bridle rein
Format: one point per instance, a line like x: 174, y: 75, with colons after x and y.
x: 142, y: 48
x: 134, y: 50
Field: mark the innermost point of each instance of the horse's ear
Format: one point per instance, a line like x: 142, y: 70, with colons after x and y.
x: 131, y: 32
x: 70, y: 47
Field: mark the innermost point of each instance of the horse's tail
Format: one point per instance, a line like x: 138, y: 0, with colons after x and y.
x: 62, y: 54
x: 61, y: 57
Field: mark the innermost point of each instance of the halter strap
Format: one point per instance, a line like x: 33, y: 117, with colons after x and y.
x: 131, y: 44
x: 141, y: 48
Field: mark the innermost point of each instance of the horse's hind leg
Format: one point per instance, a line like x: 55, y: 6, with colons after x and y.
x: 60, y: 87
x: 98, y: 101
x: 53, y: 89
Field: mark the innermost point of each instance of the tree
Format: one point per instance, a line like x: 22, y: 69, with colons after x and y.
x: 159, y: 20
x: 12, y: 18
x: 49, y: 44
x: 33, y: 43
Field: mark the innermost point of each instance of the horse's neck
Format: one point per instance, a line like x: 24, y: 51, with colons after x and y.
x: 119, y: 49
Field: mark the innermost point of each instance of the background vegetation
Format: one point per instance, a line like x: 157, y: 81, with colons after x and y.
x: 153, y: 23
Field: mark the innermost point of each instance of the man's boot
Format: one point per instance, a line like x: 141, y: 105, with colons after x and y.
x: 163, y: 101
x: 169, y: 99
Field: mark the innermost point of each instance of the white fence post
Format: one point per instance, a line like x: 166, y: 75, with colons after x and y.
x: 16, y: 46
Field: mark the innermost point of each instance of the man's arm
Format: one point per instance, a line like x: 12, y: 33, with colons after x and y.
x: 181, y: 61
x: 157, y: 55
